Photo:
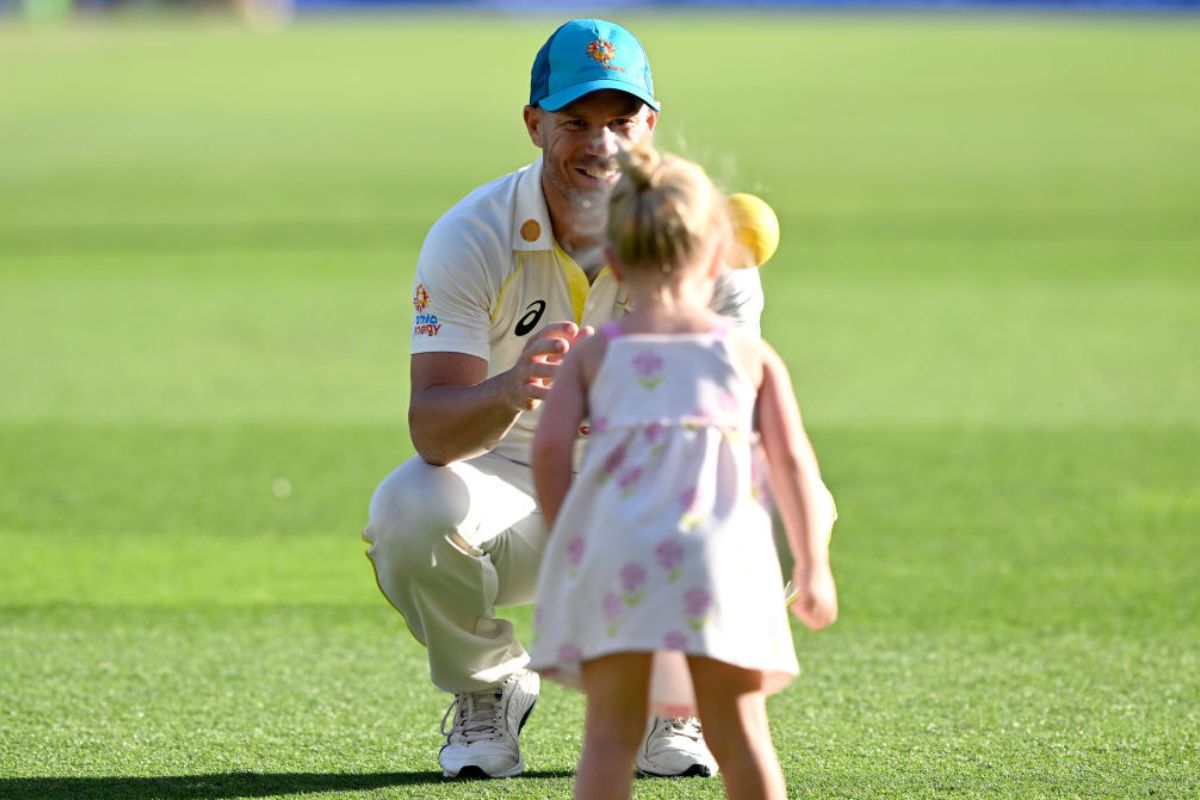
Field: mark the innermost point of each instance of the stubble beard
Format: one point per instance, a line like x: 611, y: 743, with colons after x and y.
x: 589, y: 221
x: 586, y: 212
x: 588, y: 208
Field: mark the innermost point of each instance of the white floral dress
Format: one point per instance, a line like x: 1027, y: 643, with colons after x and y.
x: 664, y: 542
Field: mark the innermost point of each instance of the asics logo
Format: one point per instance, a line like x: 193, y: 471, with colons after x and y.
x: 533, y: 313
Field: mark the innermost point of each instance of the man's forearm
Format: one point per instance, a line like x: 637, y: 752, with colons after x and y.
x: 450, y: 423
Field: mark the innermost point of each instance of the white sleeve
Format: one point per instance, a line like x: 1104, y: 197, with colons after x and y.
x: 739, y: 295
x: 452, y: 293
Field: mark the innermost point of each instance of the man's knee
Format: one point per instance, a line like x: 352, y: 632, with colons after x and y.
x: 411, y: 512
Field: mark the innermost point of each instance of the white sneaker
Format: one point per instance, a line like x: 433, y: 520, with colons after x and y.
x: 675, y: 747
x: 482, y: 741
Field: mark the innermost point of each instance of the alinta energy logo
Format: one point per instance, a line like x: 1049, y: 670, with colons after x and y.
x: 424, y: 324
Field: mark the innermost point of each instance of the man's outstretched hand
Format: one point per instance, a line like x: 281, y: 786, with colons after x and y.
x: 530, y: 379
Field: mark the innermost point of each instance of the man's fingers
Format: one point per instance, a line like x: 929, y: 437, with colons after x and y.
x: 554, y: 340
x: 537, y: 391
x: 549, y: 346
x: 542, y: 356
x: 558, y: 330
x: 542, y: 369
x: 533, y: 393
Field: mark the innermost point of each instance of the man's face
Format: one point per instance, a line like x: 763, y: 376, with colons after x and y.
x: 579, y: 143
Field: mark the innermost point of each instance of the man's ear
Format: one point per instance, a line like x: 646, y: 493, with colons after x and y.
x: 651, y: 119
x: 610, y: 256
x: 533, y: 124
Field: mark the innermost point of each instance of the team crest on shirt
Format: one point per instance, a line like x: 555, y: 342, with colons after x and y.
x: 420, y: 298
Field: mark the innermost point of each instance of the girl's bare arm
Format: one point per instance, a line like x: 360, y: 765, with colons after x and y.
x: 796, y: 485
x: 554, y: 443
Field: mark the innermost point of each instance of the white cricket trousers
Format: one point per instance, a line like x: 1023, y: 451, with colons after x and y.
x: 449, y: 545
x: 452, y: 543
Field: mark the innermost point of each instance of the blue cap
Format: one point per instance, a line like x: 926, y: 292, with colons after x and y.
x: 587, y: 55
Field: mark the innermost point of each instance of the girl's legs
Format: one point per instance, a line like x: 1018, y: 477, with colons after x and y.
x: 616, y: 687
x: 733, y: 710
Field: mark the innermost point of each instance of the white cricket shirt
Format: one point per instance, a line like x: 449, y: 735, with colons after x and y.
x: 490, y: 274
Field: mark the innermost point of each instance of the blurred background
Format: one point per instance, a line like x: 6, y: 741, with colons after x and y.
x: 987, y: 292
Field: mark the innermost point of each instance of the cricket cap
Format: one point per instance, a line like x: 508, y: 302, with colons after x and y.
x: 587, y: 55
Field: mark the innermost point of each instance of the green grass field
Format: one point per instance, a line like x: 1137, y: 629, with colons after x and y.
x: 988, y: 293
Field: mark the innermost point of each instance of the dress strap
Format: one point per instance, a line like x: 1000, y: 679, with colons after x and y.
x: 611, y: 329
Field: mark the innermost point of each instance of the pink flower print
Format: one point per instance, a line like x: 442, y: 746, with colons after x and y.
x: 696, y: 603
x: 568, y: 653
x: 633, y: 582
x: 674, y: 640
x: 599, y: 425
x: 614, y: 460
x: 688, y: 497
x: 612, y: 606
x: 628, y: 481
x: 633, y: 576
x: 647, y: 367
x: 575, y: 549
x: 612, y: 463
x: 655, y: 434
x: 669, y: 555
x: 612, y: 612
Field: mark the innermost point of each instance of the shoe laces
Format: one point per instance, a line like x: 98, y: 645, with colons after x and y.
x: 684, y: 726
x: 476, y: 716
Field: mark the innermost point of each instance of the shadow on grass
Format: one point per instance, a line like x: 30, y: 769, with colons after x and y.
x: 219, y: 785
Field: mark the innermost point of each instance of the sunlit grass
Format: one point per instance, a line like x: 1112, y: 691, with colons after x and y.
x: 986, y: 293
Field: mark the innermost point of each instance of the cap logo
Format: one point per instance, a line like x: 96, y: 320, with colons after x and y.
x: 602, y: 51
x: 420, y: 298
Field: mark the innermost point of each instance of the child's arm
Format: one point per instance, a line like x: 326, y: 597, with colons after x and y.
x: 554, y: 443
x: 798, y: 490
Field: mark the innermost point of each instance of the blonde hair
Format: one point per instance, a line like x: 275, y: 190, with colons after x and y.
x: 664, y: 210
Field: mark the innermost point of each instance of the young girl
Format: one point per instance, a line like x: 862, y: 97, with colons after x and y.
x: 660, y: 588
